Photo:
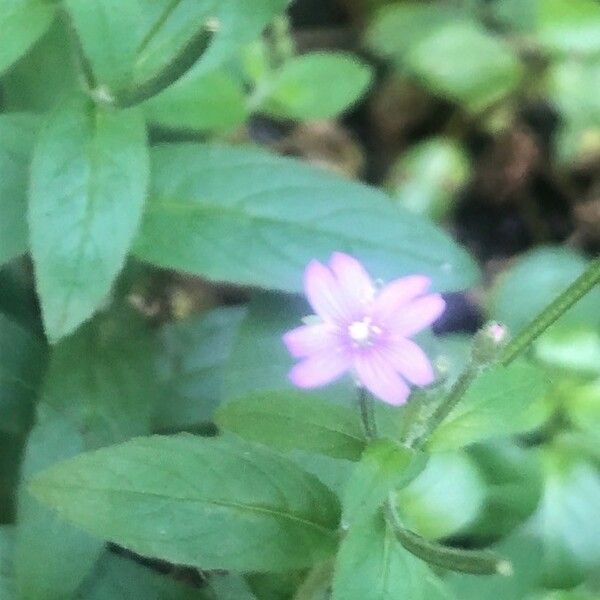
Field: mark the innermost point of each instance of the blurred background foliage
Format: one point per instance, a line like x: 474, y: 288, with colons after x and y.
x: 481, y: 115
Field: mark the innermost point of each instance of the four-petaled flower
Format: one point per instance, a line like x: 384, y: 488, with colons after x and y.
x: 363, y: 330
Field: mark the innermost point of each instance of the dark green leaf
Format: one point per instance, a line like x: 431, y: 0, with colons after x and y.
x: 7, y: 542
x: 500, y: 402
x: 294, y: 419
x: 372, y: 565
x: 88, y: 187
x: 384, y: 467
x: 242, y: 215
x: 22, y: 22
x: 216, y: 503
x: 23, y: 362
x: 192, y: 366
x: 463, y: 62
x: 17, y: 133
x: 318, y: 85
x: 206, y: 102
x: 120, y: 578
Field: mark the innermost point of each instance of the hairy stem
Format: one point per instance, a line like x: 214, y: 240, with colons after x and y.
x: 367, y: 413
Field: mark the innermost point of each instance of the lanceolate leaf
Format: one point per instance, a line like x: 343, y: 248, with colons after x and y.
x: 17, y: 134
x: 88, y: 186
x: 214, y: 503
x: 295, y: 419
x: 241, y: 215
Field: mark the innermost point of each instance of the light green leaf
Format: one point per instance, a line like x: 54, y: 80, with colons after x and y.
x: 108, y: 36
x: 216, y: 503
x: 88, y: 186
x: 428, y: 176
x: 500, y: 402
x: 318, y: 85
x: 583, y: 408
x: 397, y: 28
x: 465, y: 63
x: 292, y: 419
x: 569, y: 27
x: 22, y: 23
x: 567, y: 521
x: 537, y: 278
x: 239, y: 214
x: 372, y: 565
x: 445, y: 498
x: 384, y: 467
x: 192, y: 366
x: 575, y: 349
x: 205, y: 102
x: 17, y: 134
x: 23, y: 362
x: 116, y: 577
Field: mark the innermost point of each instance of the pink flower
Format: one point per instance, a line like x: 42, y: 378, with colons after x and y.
x: 363, y: 330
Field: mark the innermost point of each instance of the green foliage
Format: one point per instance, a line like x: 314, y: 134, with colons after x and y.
x: 88, y: 186
x: 17, y: 132
x: 215, y: 503
x: 500, y: 402
x: 295, y: 420
x: 205, y: 199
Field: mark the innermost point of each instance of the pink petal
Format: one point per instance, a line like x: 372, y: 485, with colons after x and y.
x: 319, y: 369
x: 395, y: 295
x: 417, y: 315
x: 409, y: 360
x: 353, y: 280
x: 380, y: 378
x: 311, y: 339
x: 325, y: 294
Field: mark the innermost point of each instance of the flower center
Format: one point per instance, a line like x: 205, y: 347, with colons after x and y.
x: 361, y: 332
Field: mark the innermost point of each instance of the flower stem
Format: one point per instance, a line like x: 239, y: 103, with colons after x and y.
x: 367, y: 413
x: 579, y: 288
x: 476, y: 562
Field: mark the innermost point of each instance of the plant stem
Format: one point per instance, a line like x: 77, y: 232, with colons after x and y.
x: 367, y: 413
x: 579, y: 288
x: 476, y: 562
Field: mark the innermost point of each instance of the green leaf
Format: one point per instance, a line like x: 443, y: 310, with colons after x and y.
x: 88, y: 186
x: 241, y: 215
x: 583, y: 407
x: 318, y: 85
x: 372, y: 565
x: 22, y: 23
x: 513, y: 487
x: 397, y: 28
x: 569, y: 27
x: 205, y: 102
x: 99, y: 390
x: 535, y: 279
x: 293, y: 419
x: 444, y: 499
x: 7, y: 542
x: 500, y: 402
x: 216, y: 503
x: 465, y: 63
x: 52, y: 557
x: 23, y: 362
x: 118, y: 577
x: 192, y: 366
x: 384, y: 467
x: 428, y: 176
x: 575, y: 349
x: 17, y: 134
x: 107, y: 33
x: 567, y: 521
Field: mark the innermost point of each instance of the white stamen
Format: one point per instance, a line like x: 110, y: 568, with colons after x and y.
x: 362, y: 332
